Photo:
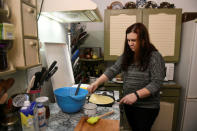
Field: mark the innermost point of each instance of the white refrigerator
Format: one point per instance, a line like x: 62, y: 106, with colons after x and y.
x: 186, y: 76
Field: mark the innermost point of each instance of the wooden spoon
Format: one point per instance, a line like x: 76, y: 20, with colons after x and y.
x: 3, y: 98
x: 9, y: 83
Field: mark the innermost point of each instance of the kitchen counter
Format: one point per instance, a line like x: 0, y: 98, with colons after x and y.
x: 60, y: 121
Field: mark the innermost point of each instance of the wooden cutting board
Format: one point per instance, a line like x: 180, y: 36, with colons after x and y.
x: 101, y: 125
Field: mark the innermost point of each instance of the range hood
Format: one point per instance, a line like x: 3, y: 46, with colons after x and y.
x: 71, y: 11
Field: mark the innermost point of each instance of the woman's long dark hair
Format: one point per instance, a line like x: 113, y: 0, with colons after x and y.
x: 142, y: 54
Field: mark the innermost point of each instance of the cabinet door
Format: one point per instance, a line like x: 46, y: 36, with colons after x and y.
x: 164, y: 119
x: 29, y: 21
x: 116, y: 23
x: 168, y: 114
x: 31, y: 52
x: 164, y: 27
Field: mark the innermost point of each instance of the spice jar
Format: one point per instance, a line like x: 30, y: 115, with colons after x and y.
x: 44, y: 101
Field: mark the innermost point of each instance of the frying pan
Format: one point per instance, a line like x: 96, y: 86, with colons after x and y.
x: 105, y: 105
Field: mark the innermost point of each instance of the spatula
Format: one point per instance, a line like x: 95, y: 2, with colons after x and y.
x: 93, y: 120
x: 77, y: 90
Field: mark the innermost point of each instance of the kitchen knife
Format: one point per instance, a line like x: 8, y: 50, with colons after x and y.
x: 46, y: 73
x: 52, y: 66
x: 43, y: 70
x: 43, y: 77
x: 50, y: 74
x: 37, y: 80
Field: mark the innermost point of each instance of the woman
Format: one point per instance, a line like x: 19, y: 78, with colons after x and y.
x: 143, y: 70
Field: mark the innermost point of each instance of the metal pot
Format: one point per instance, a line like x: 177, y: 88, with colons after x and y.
x: 10, y: 120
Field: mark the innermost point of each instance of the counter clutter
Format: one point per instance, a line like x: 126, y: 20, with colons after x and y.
x: 71, y: 121
x: 60, y: 121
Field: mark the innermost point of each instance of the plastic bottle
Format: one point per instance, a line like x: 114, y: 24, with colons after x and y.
x: 45, y: 102
x: 27, y: 118
x: 41, y: 113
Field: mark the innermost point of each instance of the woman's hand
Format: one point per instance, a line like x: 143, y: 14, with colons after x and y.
x: 92, y: 87
x: 129, y: 99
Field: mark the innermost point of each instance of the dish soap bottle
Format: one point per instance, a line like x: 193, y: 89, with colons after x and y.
x: 27, y: 118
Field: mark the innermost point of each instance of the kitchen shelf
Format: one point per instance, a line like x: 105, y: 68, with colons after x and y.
x: 27, y: 67
x: 9, y: 71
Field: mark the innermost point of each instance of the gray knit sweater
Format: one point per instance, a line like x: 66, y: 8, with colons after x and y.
x: 134, y: 79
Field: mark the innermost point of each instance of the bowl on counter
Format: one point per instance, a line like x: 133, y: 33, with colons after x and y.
x: 67, y: 100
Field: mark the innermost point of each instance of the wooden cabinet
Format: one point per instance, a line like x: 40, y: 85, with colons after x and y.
x: 25, y: 51
x: 169, y: 106
x: 164, y: 27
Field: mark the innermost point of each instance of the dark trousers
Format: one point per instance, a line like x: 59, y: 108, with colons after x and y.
x: 140, y: 119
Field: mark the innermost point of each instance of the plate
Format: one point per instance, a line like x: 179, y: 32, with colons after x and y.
x: 116, y: 5
x: 114, y: 80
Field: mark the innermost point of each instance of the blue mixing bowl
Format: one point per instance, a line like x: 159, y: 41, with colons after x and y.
x: 67, y: 100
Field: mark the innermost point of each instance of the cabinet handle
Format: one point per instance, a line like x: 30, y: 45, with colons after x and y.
x: 160, y: 92
x: 30, y: 10
x: 32, y: 44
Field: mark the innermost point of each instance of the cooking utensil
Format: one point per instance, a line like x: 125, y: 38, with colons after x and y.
x: 52, y: 66
x: 5, y: 85
x: 93, y: 120
x: 105, y: 105
x: 51, y: 73
x: 3, y: 98
x: 78, y: 87
x: 46, y: 73
x: 9, y: 83
x: 43, y: 77
x: 37, y: 80
x: 31, y: 84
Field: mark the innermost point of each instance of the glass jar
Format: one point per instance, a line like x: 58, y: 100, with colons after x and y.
x: 44, y: 101
x: 3, y: 57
